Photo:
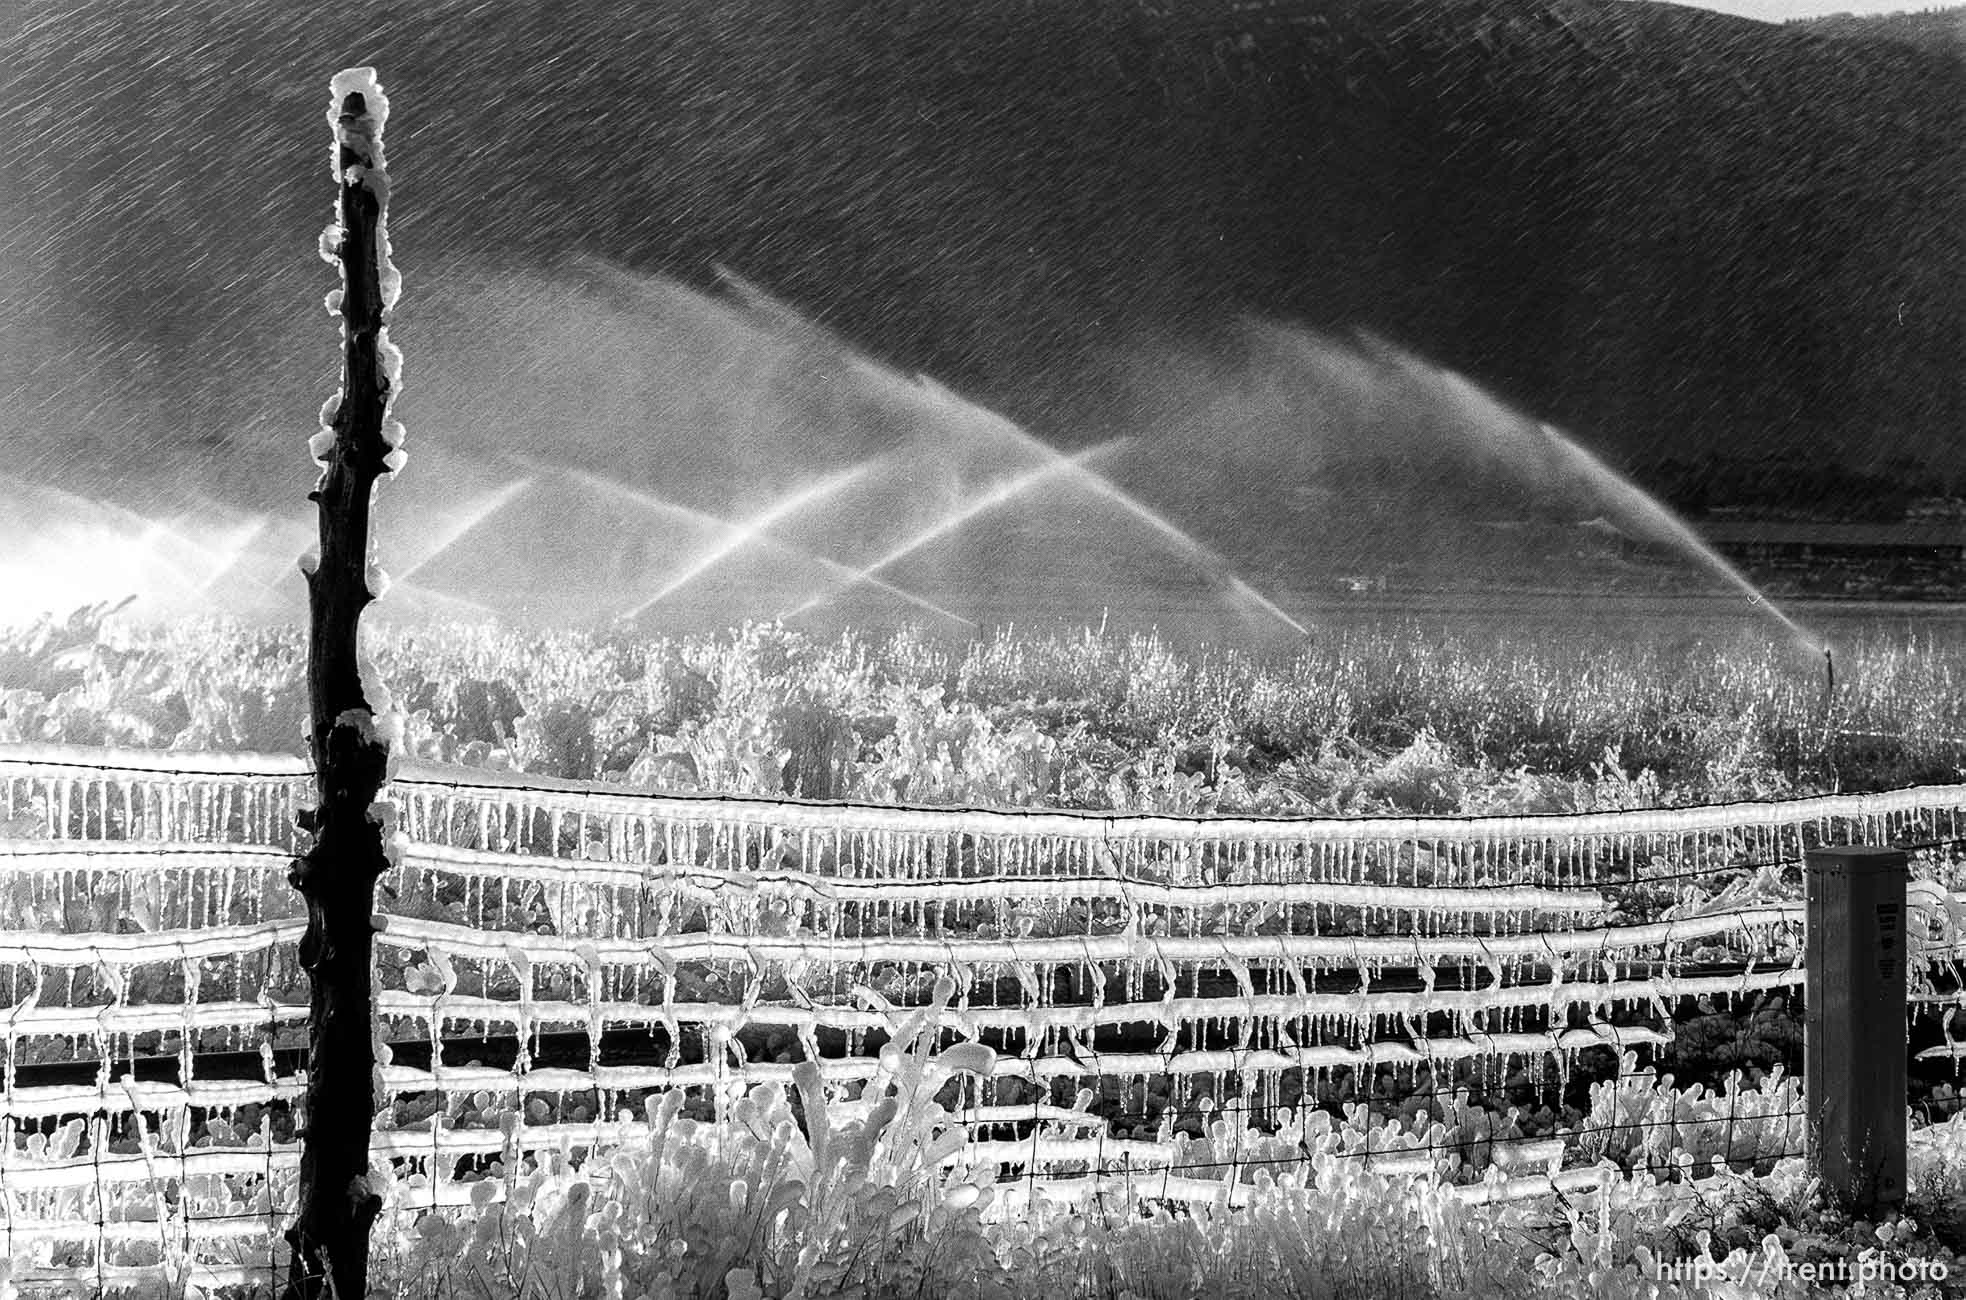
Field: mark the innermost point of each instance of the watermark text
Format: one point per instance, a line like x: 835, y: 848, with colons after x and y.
x: 1824, y: 1272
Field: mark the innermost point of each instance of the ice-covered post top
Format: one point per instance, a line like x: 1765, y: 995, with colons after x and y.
x: 352, y: 730
x: 358, y: 441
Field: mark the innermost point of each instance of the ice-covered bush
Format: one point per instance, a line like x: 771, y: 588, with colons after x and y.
x: 809, y: 1193
x: 1387, y: 718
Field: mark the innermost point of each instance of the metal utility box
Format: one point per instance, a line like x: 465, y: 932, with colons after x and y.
x: 1854, y: 1033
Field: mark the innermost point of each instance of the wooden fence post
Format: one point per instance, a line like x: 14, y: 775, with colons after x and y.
x: 337, y: 875
x: 1854, y: 1032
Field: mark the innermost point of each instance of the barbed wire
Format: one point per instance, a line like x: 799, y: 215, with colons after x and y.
x: 503, y: 782
x: 1311, y: 1157
x: 1129, y: 1172
x: 33, y: 757
x: 1553, y: 885
x: 37, y: 758
x: 1567, y: 1135
x: 129, y: 848
x: 549, y: 1043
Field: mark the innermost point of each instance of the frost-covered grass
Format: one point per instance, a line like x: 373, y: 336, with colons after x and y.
x: 803, y: 1194
x: 1354, y: 722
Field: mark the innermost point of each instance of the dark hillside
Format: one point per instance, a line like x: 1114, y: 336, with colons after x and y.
x: 1662, y: 226
x: 1668, y: 229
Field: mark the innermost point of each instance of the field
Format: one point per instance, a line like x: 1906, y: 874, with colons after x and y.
x: 684, y: 1208
x: 796, y: 1194
x: 1385, y: 719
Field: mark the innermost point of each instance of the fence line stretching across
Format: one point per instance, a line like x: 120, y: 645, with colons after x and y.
x: 218, y: 791
x: 628, y: 943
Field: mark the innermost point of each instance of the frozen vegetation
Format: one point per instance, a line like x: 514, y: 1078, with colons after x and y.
x: 803, y: 1191
x: 1390, y: 719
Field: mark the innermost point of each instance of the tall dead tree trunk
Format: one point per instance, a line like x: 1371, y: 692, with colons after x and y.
x: 337, y: 875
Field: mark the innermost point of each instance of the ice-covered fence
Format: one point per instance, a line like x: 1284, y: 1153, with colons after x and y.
x: 147, y: 940
x: 1064, y: 925
x: 564, y: 950
x: 560, y: 818
x: 145, y: 984
x: 73, y: 792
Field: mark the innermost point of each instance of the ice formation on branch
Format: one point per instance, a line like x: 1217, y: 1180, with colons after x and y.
x: 362, y: 134
x: 360, y: 138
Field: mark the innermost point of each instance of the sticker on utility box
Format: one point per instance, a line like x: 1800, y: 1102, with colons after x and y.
x: 1890, y: 940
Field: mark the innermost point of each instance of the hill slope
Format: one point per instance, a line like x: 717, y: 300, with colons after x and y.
x: 1669, y: 230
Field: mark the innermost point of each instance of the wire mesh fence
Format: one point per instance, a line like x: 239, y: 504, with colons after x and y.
x: 1168, y: 998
